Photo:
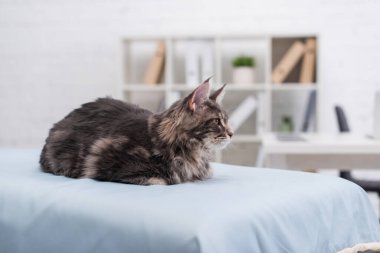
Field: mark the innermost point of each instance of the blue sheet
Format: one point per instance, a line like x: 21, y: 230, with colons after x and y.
x: 241, y: 209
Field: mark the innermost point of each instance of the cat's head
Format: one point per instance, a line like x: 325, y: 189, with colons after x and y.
x: 198, y: 117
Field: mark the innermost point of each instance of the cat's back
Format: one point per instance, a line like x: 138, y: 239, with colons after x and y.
x: 103, y: 117
x: 109, y: 108
x: 102, y: 114
x: 70, y: 139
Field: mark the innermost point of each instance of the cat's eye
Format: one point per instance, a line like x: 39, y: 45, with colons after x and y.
x: 217, y: 121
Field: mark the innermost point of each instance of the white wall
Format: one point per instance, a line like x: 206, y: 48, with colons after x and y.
x: 57, y: 54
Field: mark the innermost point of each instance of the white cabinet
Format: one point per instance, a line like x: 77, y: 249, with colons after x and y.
x: 214, y: 56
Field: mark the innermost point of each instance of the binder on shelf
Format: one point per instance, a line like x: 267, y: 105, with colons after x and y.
x: 260, y: 118
x: 308, y: 63
x: 168, y: 100
x: 309, y: 112
x: 242, y: 112
x: 288, y: 61
x: 172, y: 97
x: 155, y: 68
x: 376, y: 116
x: 199, y: 61
x: 161, y: 105
x: 207, y: 63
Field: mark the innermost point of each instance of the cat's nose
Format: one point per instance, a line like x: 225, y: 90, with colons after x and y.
x: 230, y: 133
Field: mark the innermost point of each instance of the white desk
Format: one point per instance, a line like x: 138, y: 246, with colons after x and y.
x: 343, y: 151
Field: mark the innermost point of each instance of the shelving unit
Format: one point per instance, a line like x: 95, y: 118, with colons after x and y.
x: 276, y: 100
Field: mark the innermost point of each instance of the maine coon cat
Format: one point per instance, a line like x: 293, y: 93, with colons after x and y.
x: 110, y: 140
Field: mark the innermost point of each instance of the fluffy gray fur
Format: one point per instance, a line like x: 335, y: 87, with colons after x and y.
x: 111, y: 140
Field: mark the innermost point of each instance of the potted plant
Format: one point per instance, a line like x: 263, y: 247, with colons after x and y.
x: 243, y: 70
x: 286, y: 124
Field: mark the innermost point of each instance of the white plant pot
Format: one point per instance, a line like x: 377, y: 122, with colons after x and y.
x: 244, y: 75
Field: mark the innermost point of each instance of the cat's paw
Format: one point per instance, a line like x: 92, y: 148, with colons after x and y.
x: 156, y: 181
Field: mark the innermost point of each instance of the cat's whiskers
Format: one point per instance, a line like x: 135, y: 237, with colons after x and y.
x: 231, y: 146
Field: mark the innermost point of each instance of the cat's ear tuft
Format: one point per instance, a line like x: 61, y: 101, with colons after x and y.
x: 218, y: 95
x: 199, y: 95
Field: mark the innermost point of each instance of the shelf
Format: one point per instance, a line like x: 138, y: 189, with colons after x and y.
x: 246, y: 138
x: 245, y: 87
x: 182, y: 87
x: 144, y: 87
x: 237, y: 36
x: 274, y: 101
x: 292, y: 86
x: 231, y: 87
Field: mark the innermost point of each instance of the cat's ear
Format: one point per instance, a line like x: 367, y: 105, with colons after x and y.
x: 218, y: 95
x: 199, y: 95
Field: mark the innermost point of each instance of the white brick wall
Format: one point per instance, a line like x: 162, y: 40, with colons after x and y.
x: 55, y: 55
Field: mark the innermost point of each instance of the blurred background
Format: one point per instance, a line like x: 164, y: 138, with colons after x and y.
x: 56, y: 55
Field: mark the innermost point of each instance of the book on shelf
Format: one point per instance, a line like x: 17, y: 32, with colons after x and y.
x: 242, y: 112
x: 288, y: 62
x: 308, y: 63
x: 155, y: 68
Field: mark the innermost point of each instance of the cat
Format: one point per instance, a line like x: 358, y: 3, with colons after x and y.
x: 111, y: 140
